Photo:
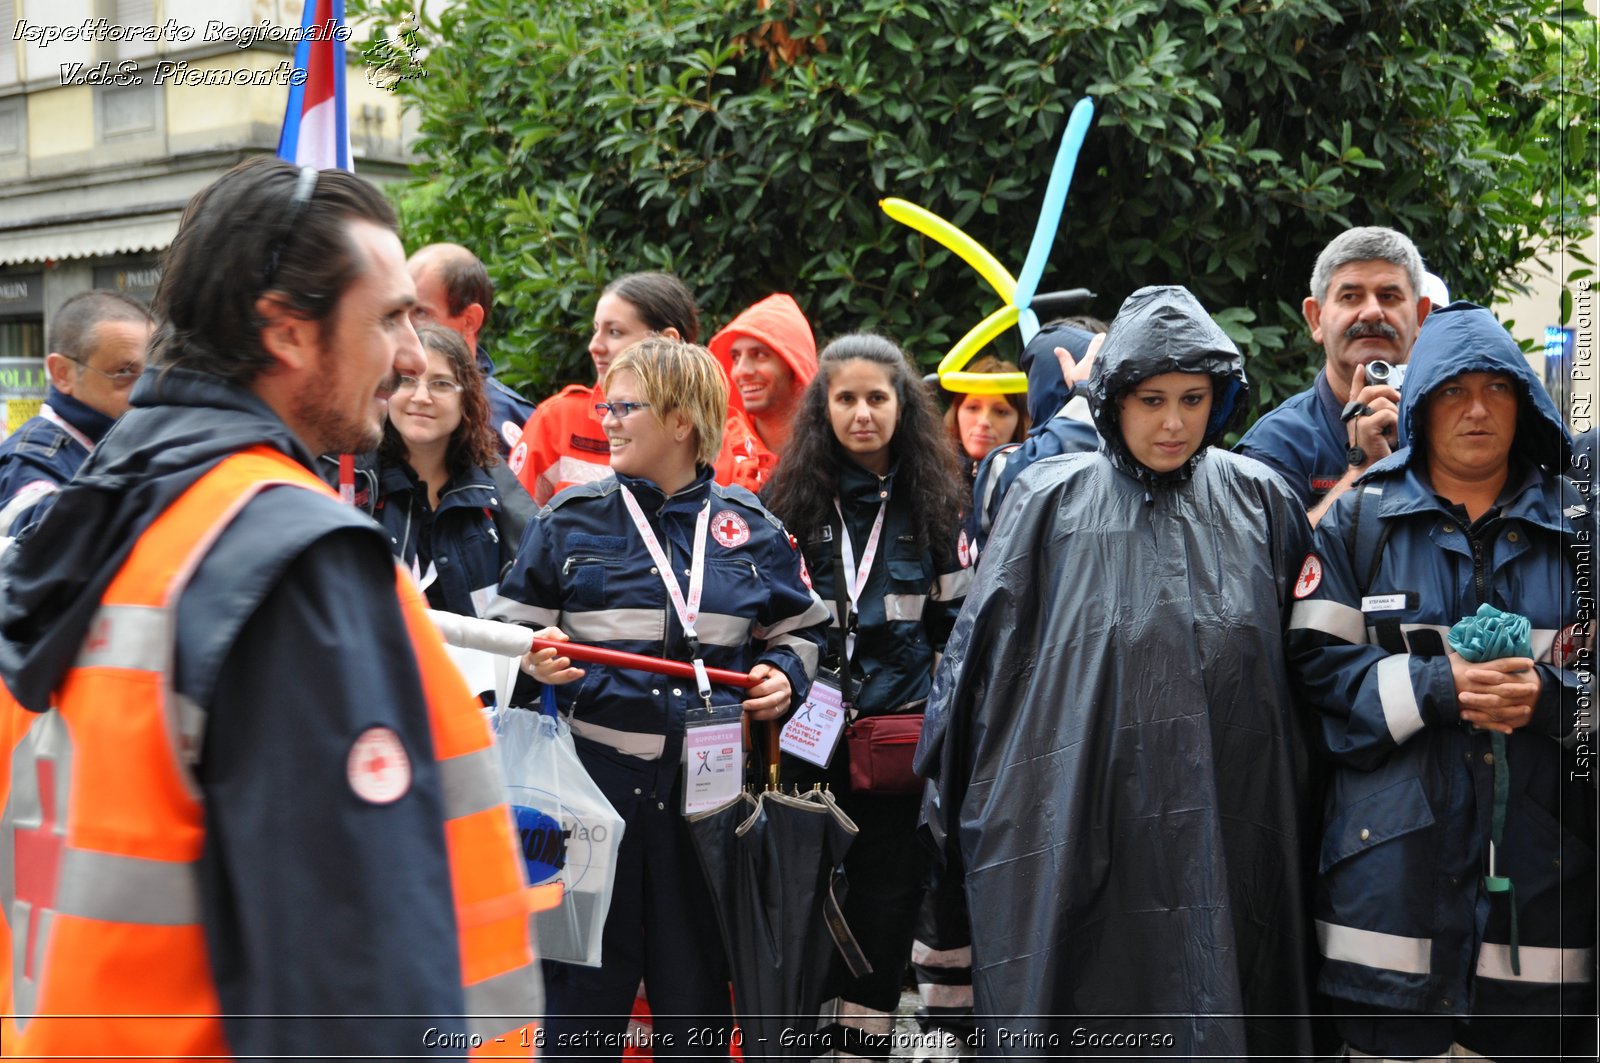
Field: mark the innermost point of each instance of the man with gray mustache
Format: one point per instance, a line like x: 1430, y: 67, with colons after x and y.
x: 1366, y: 305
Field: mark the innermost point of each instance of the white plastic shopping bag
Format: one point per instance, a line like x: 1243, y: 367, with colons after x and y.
x: 566, y: 828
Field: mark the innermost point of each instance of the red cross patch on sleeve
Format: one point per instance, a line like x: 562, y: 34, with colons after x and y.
x: 1310, y: 577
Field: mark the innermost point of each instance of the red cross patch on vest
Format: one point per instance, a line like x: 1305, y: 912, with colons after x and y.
x: 378, y: 768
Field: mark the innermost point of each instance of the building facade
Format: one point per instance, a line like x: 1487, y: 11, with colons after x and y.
x: 113, y: 113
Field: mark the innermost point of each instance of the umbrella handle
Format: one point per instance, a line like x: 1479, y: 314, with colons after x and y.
x: 774, y: 735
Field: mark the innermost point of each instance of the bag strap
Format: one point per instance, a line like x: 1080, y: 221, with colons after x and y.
x: 516, y: 510
x: 1365, y: 538
x: 842, y: 604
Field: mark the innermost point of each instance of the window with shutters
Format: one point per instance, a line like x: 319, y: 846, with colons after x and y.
x: 8, y: 47
x: 135, y: 13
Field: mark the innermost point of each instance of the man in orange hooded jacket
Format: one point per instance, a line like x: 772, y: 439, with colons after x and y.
x: 770, y: 356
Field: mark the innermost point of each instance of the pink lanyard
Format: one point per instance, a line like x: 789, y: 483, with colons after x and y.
x: 855, y: 579
x: 688, y: 609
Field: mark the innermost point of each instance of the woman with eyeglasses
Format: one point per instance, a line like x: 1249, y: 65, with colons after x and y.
x: 434, y: 495
x: 658, y: 560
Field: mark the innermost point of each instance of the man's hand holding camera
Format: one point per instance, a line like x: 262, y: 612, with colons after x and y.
x: 1372, y: 416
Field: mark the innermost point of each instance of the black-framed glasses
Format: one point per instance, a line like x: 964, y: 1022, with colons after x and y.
x: 438, y: 387
x: 621, y: 409
x: 304, y: 188
x: 121, y: 379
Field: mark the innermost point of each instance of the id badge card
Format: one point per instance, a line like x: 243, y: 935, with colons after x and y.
x: 713, y: 747
x: 812, y: 733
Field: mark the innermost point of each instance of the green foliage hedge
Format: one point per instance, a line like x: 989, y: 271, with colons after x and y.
x: 745, y: 145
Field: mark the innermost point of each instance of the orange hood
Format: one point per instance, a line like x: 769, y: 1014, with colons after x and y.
x: 777, y: 322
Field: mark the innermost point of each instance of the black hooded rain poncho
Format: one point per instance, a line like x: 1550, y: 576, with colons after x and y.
x: 1118, y: 767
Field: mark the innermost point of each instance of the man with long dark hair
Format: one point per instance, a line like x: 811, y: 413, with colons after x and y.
x: 250, y: 794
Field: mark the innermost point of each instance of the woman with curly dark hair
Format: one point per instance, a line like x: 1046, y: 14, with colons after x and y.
x: 434, y: 493
x: 870, y: 486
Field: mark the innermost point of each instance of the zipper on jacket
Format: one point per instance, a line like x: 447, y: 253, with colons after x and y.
x: 566, y: 566
x: 745, y: 562
x: 1479, y: 583
x: 405, y: 536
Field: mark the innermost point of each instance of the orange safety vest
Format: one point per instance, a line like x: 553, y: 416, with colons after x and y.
x: 103, y: 822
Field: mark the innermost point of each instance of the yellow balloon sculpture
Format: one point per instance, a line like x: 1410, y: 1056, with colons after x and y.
x: 1018, y: 294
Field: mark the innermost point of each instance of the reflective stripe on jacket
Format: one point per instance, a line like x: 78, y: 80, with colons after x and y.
x: 104, y: 824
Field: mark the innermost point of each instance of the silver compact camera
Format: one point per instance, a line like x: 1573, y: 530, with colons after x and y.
x: 1381, y: 372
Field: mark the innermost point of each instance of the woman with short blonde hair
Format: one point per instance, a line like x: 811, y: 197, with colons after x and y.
x: 681, y: 377
x: 660, y: 560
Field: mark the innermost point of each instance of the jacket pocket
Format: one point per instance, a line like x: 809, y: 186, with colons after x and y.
x: 1540, y: 851
x: 1370, y: 821
x: 908, y: 589
x: 586, y: 576
x: 734, y: 596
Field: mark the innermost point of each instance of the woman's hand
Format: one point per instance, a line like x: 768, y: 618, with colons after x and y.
x: 770, y: 697
x: 545, y: 666
x: 1496, y: 695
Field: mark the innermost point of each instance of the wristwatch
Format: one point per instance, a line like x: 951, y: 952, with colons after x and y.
x: 1355, y: 456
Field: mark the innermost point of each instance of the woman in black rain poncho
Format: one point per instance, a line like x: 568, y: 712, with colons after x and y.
x: 1119, y: 771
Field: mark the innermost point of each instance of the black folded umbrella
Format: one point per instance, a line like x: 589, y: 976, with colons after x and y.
x: 772, y: 862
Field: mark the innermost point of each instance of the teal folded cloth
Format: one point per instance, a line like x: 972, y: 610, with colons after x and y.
x: 1491, y: 634
x: 1488, y: 636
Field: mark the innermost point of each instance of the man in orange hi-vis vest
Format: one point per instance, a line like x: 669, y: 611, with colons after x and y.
x: 249, y: 806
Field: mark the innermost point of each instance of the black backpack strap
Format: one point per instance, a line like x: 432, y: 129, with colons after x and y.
x: 1365, y: 539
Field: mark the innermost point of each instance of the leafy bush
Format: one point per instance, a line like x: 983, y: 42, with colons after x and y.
x: 745, y: 144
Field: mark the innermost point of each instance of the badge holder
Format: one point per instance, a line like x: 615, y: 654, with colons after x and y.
x: 713, y: 750
x: 812, y: 733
